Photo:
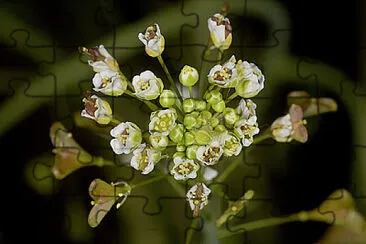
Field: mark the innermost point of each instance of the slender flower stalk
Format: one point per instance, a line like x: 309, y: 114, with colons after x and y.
x: 151, y: 105
x: 149, y: 181
x: 172, y: 83
x: 258, y: 224
x: 232, y: 96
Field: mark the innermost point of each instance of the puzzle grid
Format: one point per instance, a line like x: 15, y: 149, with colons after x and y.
x: 62, y: 76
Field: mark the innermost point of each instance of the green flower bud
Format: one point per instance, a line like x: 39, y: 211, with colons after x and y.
x: 230, y: 116
x: 188, y: 76
x: 188, y: 105
x: 219, y: 107
x: 159, y: 142
x: 189, y: 138
x: 214, y: 122
x: 200, y: 105
x: 167, y: 98
x: 176, y: 135
x: 190, y: 121
x: 213, y: 97
x: 220, y: 128
x: 203, y: 137
x: 180, y: 148
x: 179, y: 154
x: 204, y: 117
x: 191, y: 152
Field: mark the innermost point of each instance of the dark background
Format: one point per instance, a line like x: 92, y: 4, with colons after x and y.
x: 324, y: 30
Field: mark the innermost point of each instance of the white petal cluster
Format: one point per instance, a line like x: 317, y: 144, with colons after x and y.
x: 127, y: 137
x: 109, y: 83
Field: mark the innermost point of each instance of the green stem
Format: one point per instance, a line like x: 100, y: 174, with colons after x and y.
x: 203, y: 75
x: 130, y: 85
x: 115, y: 121
x: 190, y: 92
x: 190, y: 232
x: 123, y: 77
x: 257, y: 225
x: 262, y: 137
x: 235, y: 163
x: 234, y: 95
x: 152, y: 106
x: 219, y: 192
x: 149, y: 181
x: 161, y: 61
x: 219, y: 55
x: 102, y: 162
x: 228, y: 170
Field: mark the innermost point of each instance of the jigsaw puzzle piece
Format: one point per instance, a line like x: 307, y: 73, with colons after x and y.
x: 166, y: 227
x: 29, y: 41
x: 38, y: 175
x: 76, y: 214
x: 256, y: 209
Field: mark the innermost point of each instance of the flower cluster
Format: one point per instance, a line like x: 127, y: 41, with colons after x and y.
x: 202, y: 130
x: 194, y: 133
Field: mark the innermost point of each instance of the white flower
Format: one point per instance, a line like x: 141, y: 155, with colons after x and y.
x: 144, y: 158
x: 232, y: 145
x: 224, y: 75
x: 246, y: 129
x: 291, y: 126
x: 153, y: 40
x: 246, y: 109
x: 282, y: 129
x: 162, y: 122
x: 250, y: 81
x: 220, y: 31
x: 127, y: 138
x: 147, y: 85
x: 197, y: 197
x: 159, y: 142
x: 100, y: 59
x: 210, y: 154
x: 96, y: 109
x: 184, y: 168
x: 109, y: 83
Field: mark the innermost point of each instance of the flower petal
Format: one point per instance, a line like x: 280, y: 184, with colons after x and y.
x: 296, y: 113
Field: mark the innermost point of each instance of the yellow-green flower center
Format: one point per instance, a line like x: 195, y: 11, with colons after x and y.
x: 142, y: 85
x: 223, y: 74
x: 164, y: 122
x: 143, y: 159
x: 184, y: 169
x: 105, y: 82
x: 123, y: 136
x: 232, y: 145
x: 210, y: 154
